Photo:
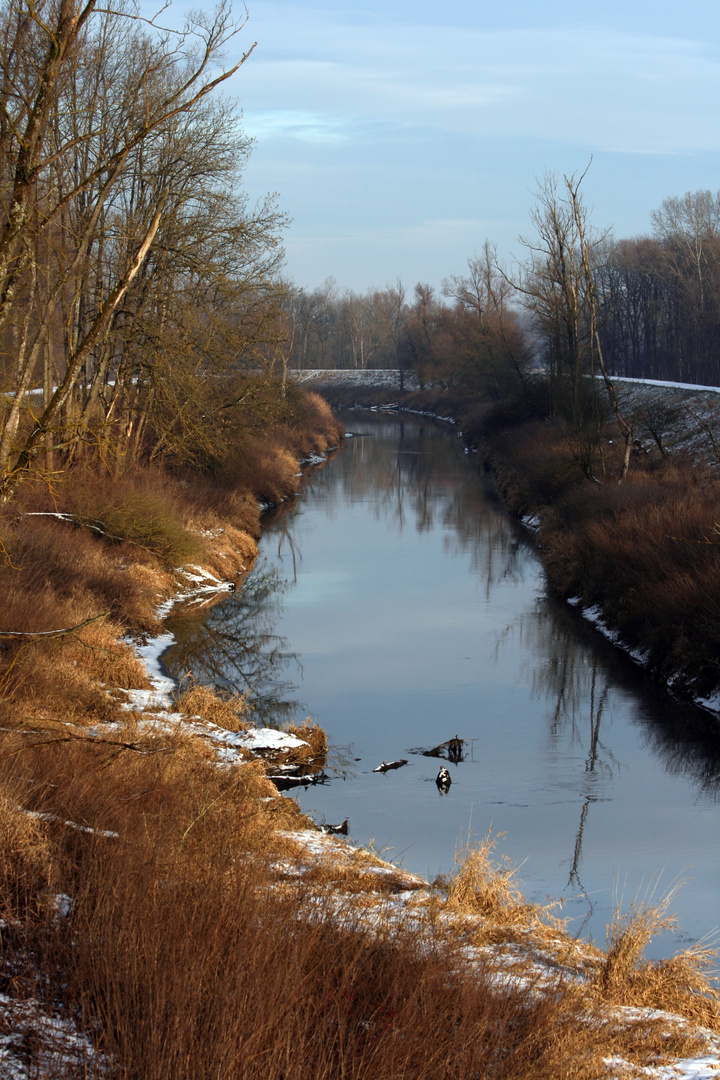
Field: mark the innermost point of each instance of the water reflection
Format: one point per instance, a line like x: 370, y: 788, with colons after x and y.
x: 233, y: 646
x: 395, y: 602
x: 685, y: 739
x: 420, y: 486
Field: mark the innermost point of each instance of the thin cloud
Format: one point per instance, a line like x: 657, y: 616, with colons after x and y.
x: 296, y: 124
x: 633, y: 91
x: 399, y: 146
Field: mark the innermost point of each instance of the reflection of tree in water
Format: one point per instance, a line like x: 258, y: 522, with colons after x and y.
x: 409, y: 474
x: 684, y: 738
x: 232, y: 646
x: 575, y: 684
x: 409, y: 471
x: 575, y: 672
x: 573, y: 679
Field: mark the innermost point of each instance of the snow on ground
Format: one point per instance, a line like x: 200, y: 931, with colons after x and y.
x: 35, y: 1045
x: 198, y: 587
x: 703, y: 1068
x: 525, y: 962
x: 107, y: 833
x: 684, y: 415
x: 318, y: 847
x: 594, y: 615
x: 666, y: 385
x: 158, y: 706
x: 231, y: 747
x: 388, y: 378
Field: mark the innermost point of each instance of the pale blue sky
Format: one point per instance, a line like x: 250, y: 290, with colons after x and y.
x: 400, y: 135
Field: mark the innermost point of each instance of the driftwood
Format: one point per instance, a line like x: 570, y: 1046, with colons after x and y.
x: 286, y: 782
x: 387, y: 765
x: 452, y: 750
x: 339, y: 830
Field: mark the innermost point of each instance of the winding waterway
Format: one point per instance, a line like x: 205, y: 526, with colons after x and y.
x: 396, y: 604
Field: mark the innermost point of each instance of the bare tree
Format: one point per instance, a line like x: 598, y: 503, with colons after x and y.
x: 491, y: 351
x: 560, y: 285
x: 96, y: 133
x: 588, y: 243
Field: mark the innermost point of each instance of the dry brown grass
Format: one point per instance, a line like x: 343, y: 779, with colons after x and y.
x: 484, y: 886
x: 193, y: 950
x: 26, y: 864
x: 263, y: 465
x: 229, y: 551
x: 683, y: 984
x: 316, y: 739
x: 183, y: 960
x: 226, y: 712
x: 344, y: 869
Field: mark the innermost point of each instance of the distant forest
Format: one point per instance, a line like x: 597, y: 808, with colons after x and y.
x: 658, y: 305
x: 145, y: 315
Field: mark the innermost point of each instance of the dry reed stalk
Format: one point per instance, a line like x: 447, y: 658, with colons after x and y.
x: 684, y: 984
x: 26, y: 858
x: 225, y: 712
x: 485, y: 887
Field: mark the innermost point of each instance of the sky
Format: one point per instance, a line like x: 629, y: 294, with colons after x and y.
x: 400, y: 135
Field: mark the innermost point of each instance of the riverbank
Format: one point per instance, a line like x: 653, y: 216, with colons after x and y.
x: 639, y: 560
x: 189, y: 922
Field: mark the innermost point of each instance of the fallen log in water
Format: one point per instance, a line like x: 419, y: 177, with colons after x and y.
x: 387, y: 765
x: 453, y: 749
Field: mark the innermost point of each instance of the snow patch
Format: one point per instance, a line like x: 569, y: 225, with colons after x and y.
x: 34, y: 1044
x: 594, y: 614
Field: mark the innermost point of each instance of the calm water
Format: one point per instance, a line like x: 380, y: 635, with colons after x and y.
x: 397, y: 605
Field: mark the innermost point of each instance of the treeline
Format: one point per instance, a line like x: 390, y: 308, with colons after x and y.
x: 140, y: 296
x: 657, y: 305
x: 143, y: 315
x: 469, y: 336
x: 661, y: 295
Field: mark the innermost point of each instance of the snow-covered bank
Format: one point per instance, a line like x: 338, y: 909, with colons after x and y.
x: 385, y: 378
x: 35, y: 1045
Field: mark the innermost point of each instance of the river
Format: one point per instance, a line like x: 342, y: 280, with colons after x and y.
x: 396, y: 603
